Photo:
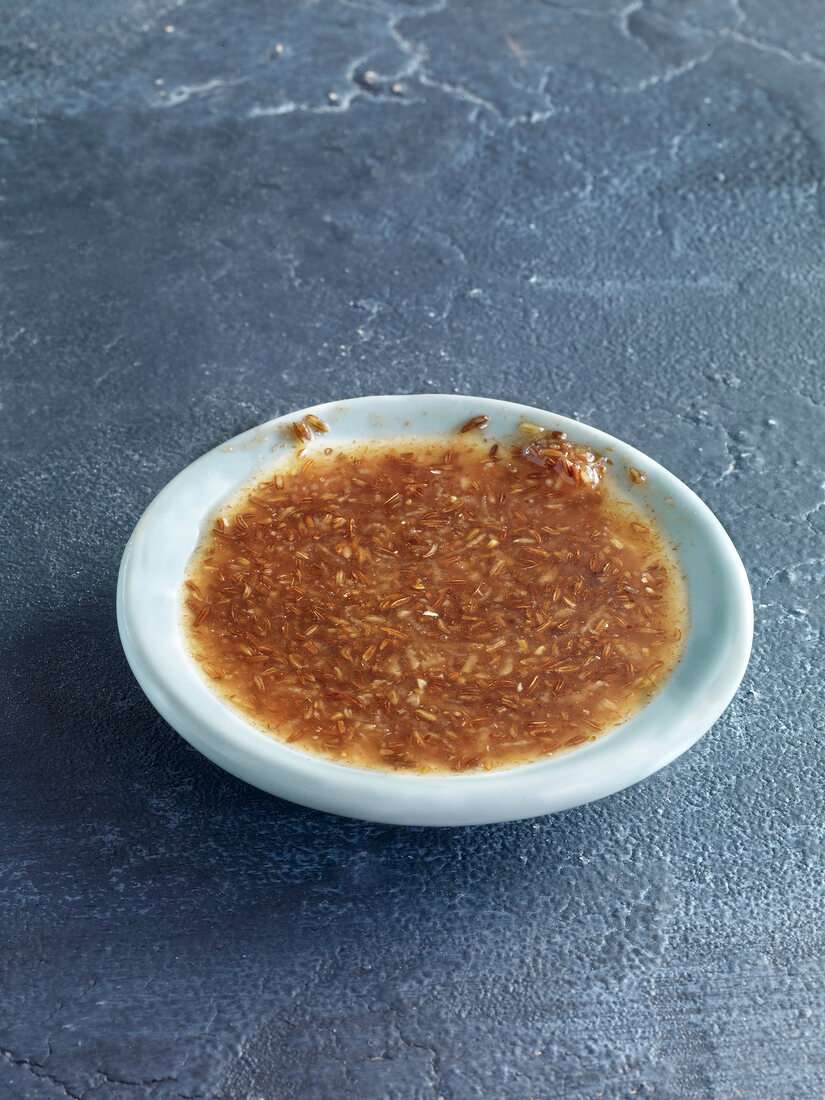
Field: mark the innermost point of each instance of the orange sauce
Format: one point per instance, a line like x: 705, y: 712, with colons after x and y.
x: 452, y: 607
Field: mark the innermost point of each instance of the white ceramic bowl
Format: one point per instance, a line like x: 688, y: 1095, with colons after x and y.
x: 702, y: 685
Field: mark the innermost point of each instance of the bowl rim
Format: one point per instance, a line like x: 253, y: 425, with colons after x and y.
x: 618, y: 759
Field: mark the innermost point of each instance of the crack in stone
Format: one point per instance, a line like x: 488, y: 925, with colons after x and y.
x: 808, y: 516
x: 677, y: 70
x: 616, y: 288
x: 792, y: 568
x: 40, y: 1072
x: 726, y: 34
x: 463, y: 94
x: 143, y: 1082
x: 623, y: 17
x: 741, y: 17
x: 590, y: 13
x: 810, y: 399
x: 769, y: 47
x: 185, y: 91
x: 419, y: 55
x: 435, y: 1060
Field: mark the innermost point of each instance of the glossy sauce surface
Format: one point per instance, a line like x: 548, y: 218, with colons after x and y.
x: 455, y: 607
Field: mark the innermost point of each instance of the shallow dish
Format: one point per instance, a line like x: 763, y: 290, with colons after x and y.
x: 704, y: 682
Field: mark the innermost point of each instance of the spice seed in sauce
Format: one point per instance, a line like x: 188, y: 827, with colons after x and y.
x: 301, y: 431
x: 435, y: 611
x: 474, y: 423
x: 316, y: 423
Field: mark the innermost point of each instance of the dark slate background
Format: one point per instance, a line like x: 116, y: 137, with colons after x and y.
x: 211, y: 214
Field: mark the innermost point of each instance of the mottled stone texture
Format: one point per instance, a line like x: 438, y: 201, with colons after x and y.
x: 216, y: 211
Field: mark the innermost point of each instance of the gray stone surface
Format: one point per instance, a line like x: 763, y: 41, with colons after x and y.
x: 210, y: 214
